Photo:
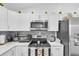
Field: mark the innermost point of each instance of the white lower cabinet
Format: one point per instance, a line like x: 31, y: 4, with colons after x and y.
x: 56, y: 50
x: 53, y: 22
x: 13, y: 21
x: 9, y: 52
x: 17, y: 51
x: 21, y: 51
x: 18, y: 22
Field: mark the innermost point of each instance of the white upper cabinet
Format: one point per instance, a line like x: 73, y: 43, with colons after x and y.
x: 13, y: 21
x: 21, y: 50
x: 24, y: 22
x: 8, y: 53
x: 39, y: 15
x: 53, y: 22
x: 3, y: 19
x: 18, y: 22
x: 21, y: 22
x: 43, y: 15
x: 33, y: 15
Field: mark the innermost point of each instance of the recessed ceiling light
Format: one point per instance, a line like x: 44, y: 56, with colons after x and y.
x: 1, y: 4
x: 75, y: 12
x: 60, y: 12
x: 19, y: 12
x: 32, y: 12
x: 45, y: 12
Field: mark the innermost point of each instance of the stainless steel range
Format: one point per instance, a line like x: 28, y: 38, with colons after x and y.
x: 39, y: 47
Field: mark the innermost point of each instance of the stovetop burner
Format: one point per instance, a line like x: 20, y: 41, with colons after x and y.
x: 42, y: 42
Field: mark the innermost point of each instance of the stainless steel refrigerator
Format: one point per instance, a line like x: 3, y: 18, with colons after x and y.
x: 74, y: 36
x: 63, y: 35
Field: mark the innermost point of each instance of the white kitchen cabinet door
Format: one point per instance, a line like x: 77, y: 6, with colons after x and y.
x: 25, y: 51
x: 18, y: 51
x: 18, y: 22
x: 39, y: 15
x: 52, y: 51
x: 21, y: 51
x: 24, y: 22
x: 56, y: 51
x: 43, y: 15
x: 3, y: 19
x: 8, y: 53
x: 13, y: 51
x: 15, y: 24
x: 53, y: 22
x: 34, y: 14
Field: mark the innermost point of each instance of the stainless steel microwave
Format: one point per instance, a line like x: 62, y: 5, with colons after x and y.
x: 39, y: 25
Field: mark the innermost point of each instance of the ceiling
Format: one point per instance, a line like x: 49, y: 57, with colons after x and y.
x: 20, y: 6
x: 24, y: 6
